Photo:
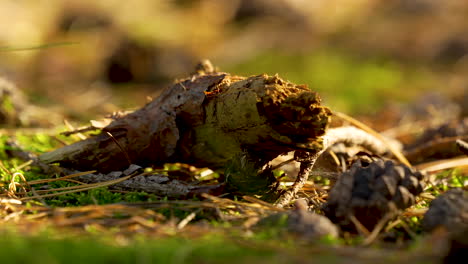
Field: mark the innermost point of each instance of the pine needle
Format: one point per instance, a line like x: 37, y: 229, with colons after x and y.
x: 81, y: 187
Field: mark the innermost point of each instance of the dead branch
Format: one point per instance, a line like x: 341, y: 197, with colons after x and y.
x: 307, y: 163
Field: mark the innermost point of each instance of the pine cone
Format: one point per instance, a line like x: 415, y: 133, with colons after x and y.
x: 369, y: 191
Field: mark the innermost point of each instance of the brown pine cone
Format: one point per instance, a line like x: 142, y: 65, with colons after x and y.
x: 369, y: 191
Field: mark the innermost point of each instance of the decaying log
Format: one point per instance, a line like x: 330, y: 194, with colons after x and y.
x: 208, y: 120
x: 205, y: 120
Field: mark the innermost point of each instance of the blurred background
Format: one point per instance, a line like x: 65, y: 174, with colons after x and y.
x: 364, y: 57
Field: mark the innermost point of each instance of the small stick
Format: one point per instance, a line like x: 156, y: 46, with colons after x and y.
x: 79, y: 131
x: 307, y: 163
x: 120, y: 147
x: 376, y: 231
x: 359, y: 227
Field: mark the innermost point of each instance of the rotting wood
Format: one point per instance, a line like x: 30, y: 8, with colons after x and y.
x: 206, y: 120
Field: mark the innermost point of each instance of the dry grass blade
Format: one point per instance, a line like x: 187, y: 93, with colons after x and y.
x: 426, y: 195
x: 392, y: 225
x: 360, y: 227
x: 223, y: 202
x: 161, y: 204
x: 61, y: 189
x: 13, y: 183
x: 127, y: 218
x: 79, y: 131
x: 27, y: 163
x: 369, y: 130
x: 120, y: 147
x: 65, y: 178
x: 379, y: 227
x: 433, y: 166
x: 415, y: 212
x: 70, y: 127
x: 9, y: 201
x: 187, y: 220
x: 81, y: 188
x: 61, y: 178
x: 254, y: 200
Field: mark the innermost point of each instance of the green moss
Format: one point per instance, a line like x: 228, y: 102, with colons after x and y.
x: 446, y: 180
x: 243, y: 176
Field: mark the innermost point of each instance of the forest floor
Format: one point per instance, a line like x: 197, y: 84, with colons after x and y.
x: 397, y: 70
